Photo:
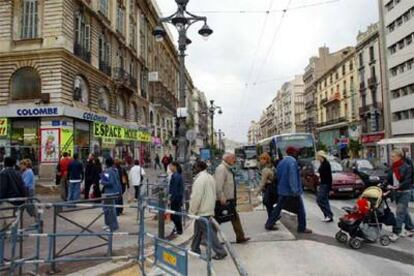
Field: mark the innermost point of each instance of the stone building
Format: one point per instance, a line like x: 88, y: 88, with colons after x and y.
x: 84, y: 76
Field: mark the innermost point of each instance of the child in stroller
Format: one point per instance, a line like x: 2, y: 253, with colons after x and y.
x: 364, y: 221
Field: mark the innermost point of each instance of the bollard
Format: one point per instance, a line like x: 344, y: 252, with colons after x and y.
x: 161, y: 221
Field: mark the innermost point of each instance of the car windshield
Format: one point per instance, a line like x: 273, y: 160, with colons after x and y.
x: 335, y: 166
x: 364, y: 164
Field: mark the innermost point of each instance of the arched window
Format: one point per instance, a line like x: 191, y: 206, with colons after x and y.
x: 120, y: 107
x: 134, y: 115
x: 25, y: 84
x: 158, y: 120
x: 151, y: 118
x: 80, y: 90
x: 103, y: 101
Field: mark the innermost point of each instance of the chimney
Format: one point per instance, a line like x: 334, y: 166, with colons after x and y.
x: 323, y: 51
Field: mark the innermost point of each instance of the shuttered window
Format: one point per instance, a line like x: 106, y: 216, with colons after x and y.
x: 82, y: 37
x: 103, y: 7
x: 29, y: 20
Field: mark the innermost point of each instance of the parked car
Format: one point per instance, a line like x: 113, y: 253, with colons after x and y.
x: 344, y: 183
x: 370, y: 175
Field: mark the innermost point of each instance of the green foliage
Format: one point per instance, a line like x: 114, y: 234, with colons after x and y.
x: 355, y: 148
x: 322, y: 146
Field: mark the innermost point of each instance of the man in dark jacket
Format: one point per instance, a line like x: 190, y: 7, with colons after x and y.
x: 75, y: 177
x: 289, y: 188
x: 400, y: 180
x: 176, y: 191
x: 11, y: 182
x: 325, y: 175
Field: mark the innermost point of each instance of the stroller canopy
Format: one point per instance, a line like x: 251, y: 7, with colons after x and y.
x: 374, y: 195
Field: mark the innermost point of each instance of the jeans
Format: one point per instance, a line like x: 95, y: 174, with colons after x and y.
x: 110, y: 215
x: 176, y: 218
x: 137, y: 191
x: 74, y: 190
x: 63, y: 188
x: 200, y: 230
x: 402, y: 214
x: 323, y: 200
x: 275, y: 215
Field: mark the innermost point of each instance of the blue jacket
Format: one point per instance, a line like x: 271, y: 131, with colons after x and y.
x: 75, y: 170
x: 177, y: 188
x: 111, y: 182
x: 288, y: 175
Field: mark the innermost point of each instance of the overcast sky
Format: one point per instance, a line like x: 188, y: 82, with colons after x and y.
x: 250, y: 55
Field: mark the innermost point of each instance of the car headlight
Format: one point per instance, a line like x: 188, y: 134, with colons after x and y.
x: 359, y: 182
x: 374, y: 178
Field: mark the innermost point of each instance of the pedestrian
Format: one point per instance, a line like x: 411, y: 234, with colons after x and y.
x: 165, y: 161
x: 28, y: 176
x: 176, y: 191
x: 123, y: 178
x: 111, y: 187
x: 290, y: 189
x: 136, y: 178
x: 75, y: 177
x: 92, y: 176
x: 268, y: 183
x: 325, y: 186
x: 400, y: 182
x: 202, y: 203
x: 11, y: 181
x: 227, y: 193
x: 171, y: 158
x: 63, y: 169
x: 157, y: 162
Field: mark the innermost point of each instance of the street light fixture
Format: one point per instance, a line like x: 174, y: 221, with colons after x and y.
x: 182, y: 20
x: 212, y: 110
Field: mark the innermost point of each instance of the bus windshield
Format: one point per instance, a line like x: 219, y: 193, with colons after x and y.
x: 250, y: 152
x: 304, y: 143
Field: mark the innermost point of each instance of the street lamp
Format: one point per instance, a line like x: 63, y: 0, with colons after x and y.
x: 212, y: 110
x: 182, y: 20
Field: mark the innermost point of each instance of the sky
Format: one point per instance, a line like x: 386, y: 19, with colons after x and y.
x: 252, y: 53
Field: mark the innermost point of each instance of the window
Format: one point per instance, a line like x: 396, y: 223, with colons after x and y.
x: 343, y: 70
x: 133, y: 34
x: 134, y: 116
x: 103, y: 101
x: 361, y: 59
x: 351, y: 65
x: 104, y: 55
x: 120, y: 19
x: 25, y: 84
x: 82, y: 37
x: 80, y: 90
x: 143, y: 37
x: 151, y: 118
x: 29, y: 20
x: 371, y: 53
x: 103, y: 7
x: 120, y: 107
x: 144, y: 82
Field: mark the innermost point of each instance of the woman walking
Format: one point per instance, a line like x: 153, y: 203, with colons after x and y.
x: 28, y: 176
x: 176, y: 196
x: 325, y: 186
x: 267, y: 184
x: 92, y: 176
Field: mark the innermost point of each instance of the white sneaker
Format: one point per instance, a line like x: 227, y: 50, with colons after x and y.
x: 105, y: 227
x: 327, y: 219
x: 394, y: 237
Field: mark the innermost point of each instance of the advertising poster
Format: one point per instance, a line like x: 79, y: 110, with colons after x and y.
x: 205, y: 154
x: 49, y: 145
x: 66, y: 141
x: 3, y: 127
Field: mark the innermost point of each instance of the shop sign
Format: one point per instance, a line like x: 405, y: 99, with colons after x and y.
x: 38, y: 111
x: 372, y: 138
x: 4, y: 127
x: 120, y: 133
x: 156, y: 140
x: 108, y: 141
x: 94, y: 117
x: 341, y: 141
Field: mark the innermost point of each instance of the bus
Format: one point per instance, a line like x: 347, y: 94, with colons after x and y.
x: 247, y: 156
x: 276, y: 146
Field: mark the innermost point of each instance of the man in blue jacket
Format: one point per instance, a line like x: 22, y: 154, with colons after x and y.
x: 289, y: 189
x: 111, y: 187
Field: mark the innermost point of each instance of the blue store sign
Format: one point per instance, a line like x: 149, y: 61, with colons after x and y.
x: 37, y: 111
x: 94, y: 117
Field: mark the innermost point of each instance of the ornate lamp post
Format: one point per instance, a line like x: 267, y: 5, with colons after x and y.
x: 182, y: 20
x: 212, y: 110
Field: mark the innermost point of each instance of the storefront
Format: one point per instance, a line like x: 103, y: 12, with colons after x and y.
x: 43, y: 133
x: 335, y: 139
x: 369, y: 145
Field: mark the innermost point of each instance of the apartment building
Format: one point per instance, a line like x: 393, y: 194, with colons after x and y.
x: 83, y: 76
x: 368, y: 54
x: 200, y: 123
x: 317, y: 66
x: 254, y: 133
x: 398, y: 22
x: 337, y: 104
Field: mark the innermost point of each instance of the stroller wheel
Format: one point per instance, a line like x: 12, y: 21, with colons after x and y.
x: 385, y: 240
x: 355, y: 243
x: 341, y: 237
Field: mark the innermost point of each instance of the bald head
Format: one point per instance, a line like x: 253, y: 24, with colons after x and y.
x: 229, y: 158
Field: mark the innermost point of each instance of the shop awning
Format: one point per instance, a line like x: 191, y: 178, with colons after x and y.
x: 394, y: 141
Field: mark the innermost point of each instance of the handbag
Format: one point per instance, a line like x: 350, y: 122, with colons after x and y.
x: 224, y: 213
x: 292, y: 204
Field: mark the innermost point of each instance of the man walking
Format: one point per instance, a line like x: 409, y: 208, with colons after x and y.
x: 226, y: 193
x: 63, y: 169
x: 111, y: 187
x: 202, y: 203
x: 75, y: 176
x: 157, y: 162
x: 289, y: 189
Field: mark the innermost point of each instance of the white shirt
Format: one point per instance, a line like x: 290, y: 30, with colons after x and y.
x: 135, y: 174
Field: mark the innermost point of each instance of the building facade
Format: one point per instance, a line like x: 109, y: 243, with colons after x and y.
x: 370, y: 90
x: 254, y: 133
x: 83, y: 76
x: 317, y: 66
x: 398, y: 20
x: 201, y: 115
x: 337, y: 104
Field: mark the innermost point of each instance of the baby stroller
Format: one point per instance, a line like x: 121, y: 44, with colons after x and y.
x: 363, y: 223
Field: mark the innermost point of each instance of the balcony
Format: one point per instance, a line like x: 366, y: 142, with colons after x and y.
x: 362, y: 86
x: 82, y: 52
x: 366, y: 108
x: 332, y: 122
x: 107, y: 69
x: 123, y: 78
x: 372, y: 82
x: 323, y: 101
x: 334, y: 98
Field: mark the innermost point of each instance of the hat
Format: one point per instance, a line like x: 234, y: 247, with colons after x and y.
x: 322, y: 153
x: 292, y: 151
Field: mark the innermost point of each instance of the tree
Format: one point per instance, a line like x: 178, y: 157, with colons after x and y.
x: 355, y: 148
x: 322, y: 146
